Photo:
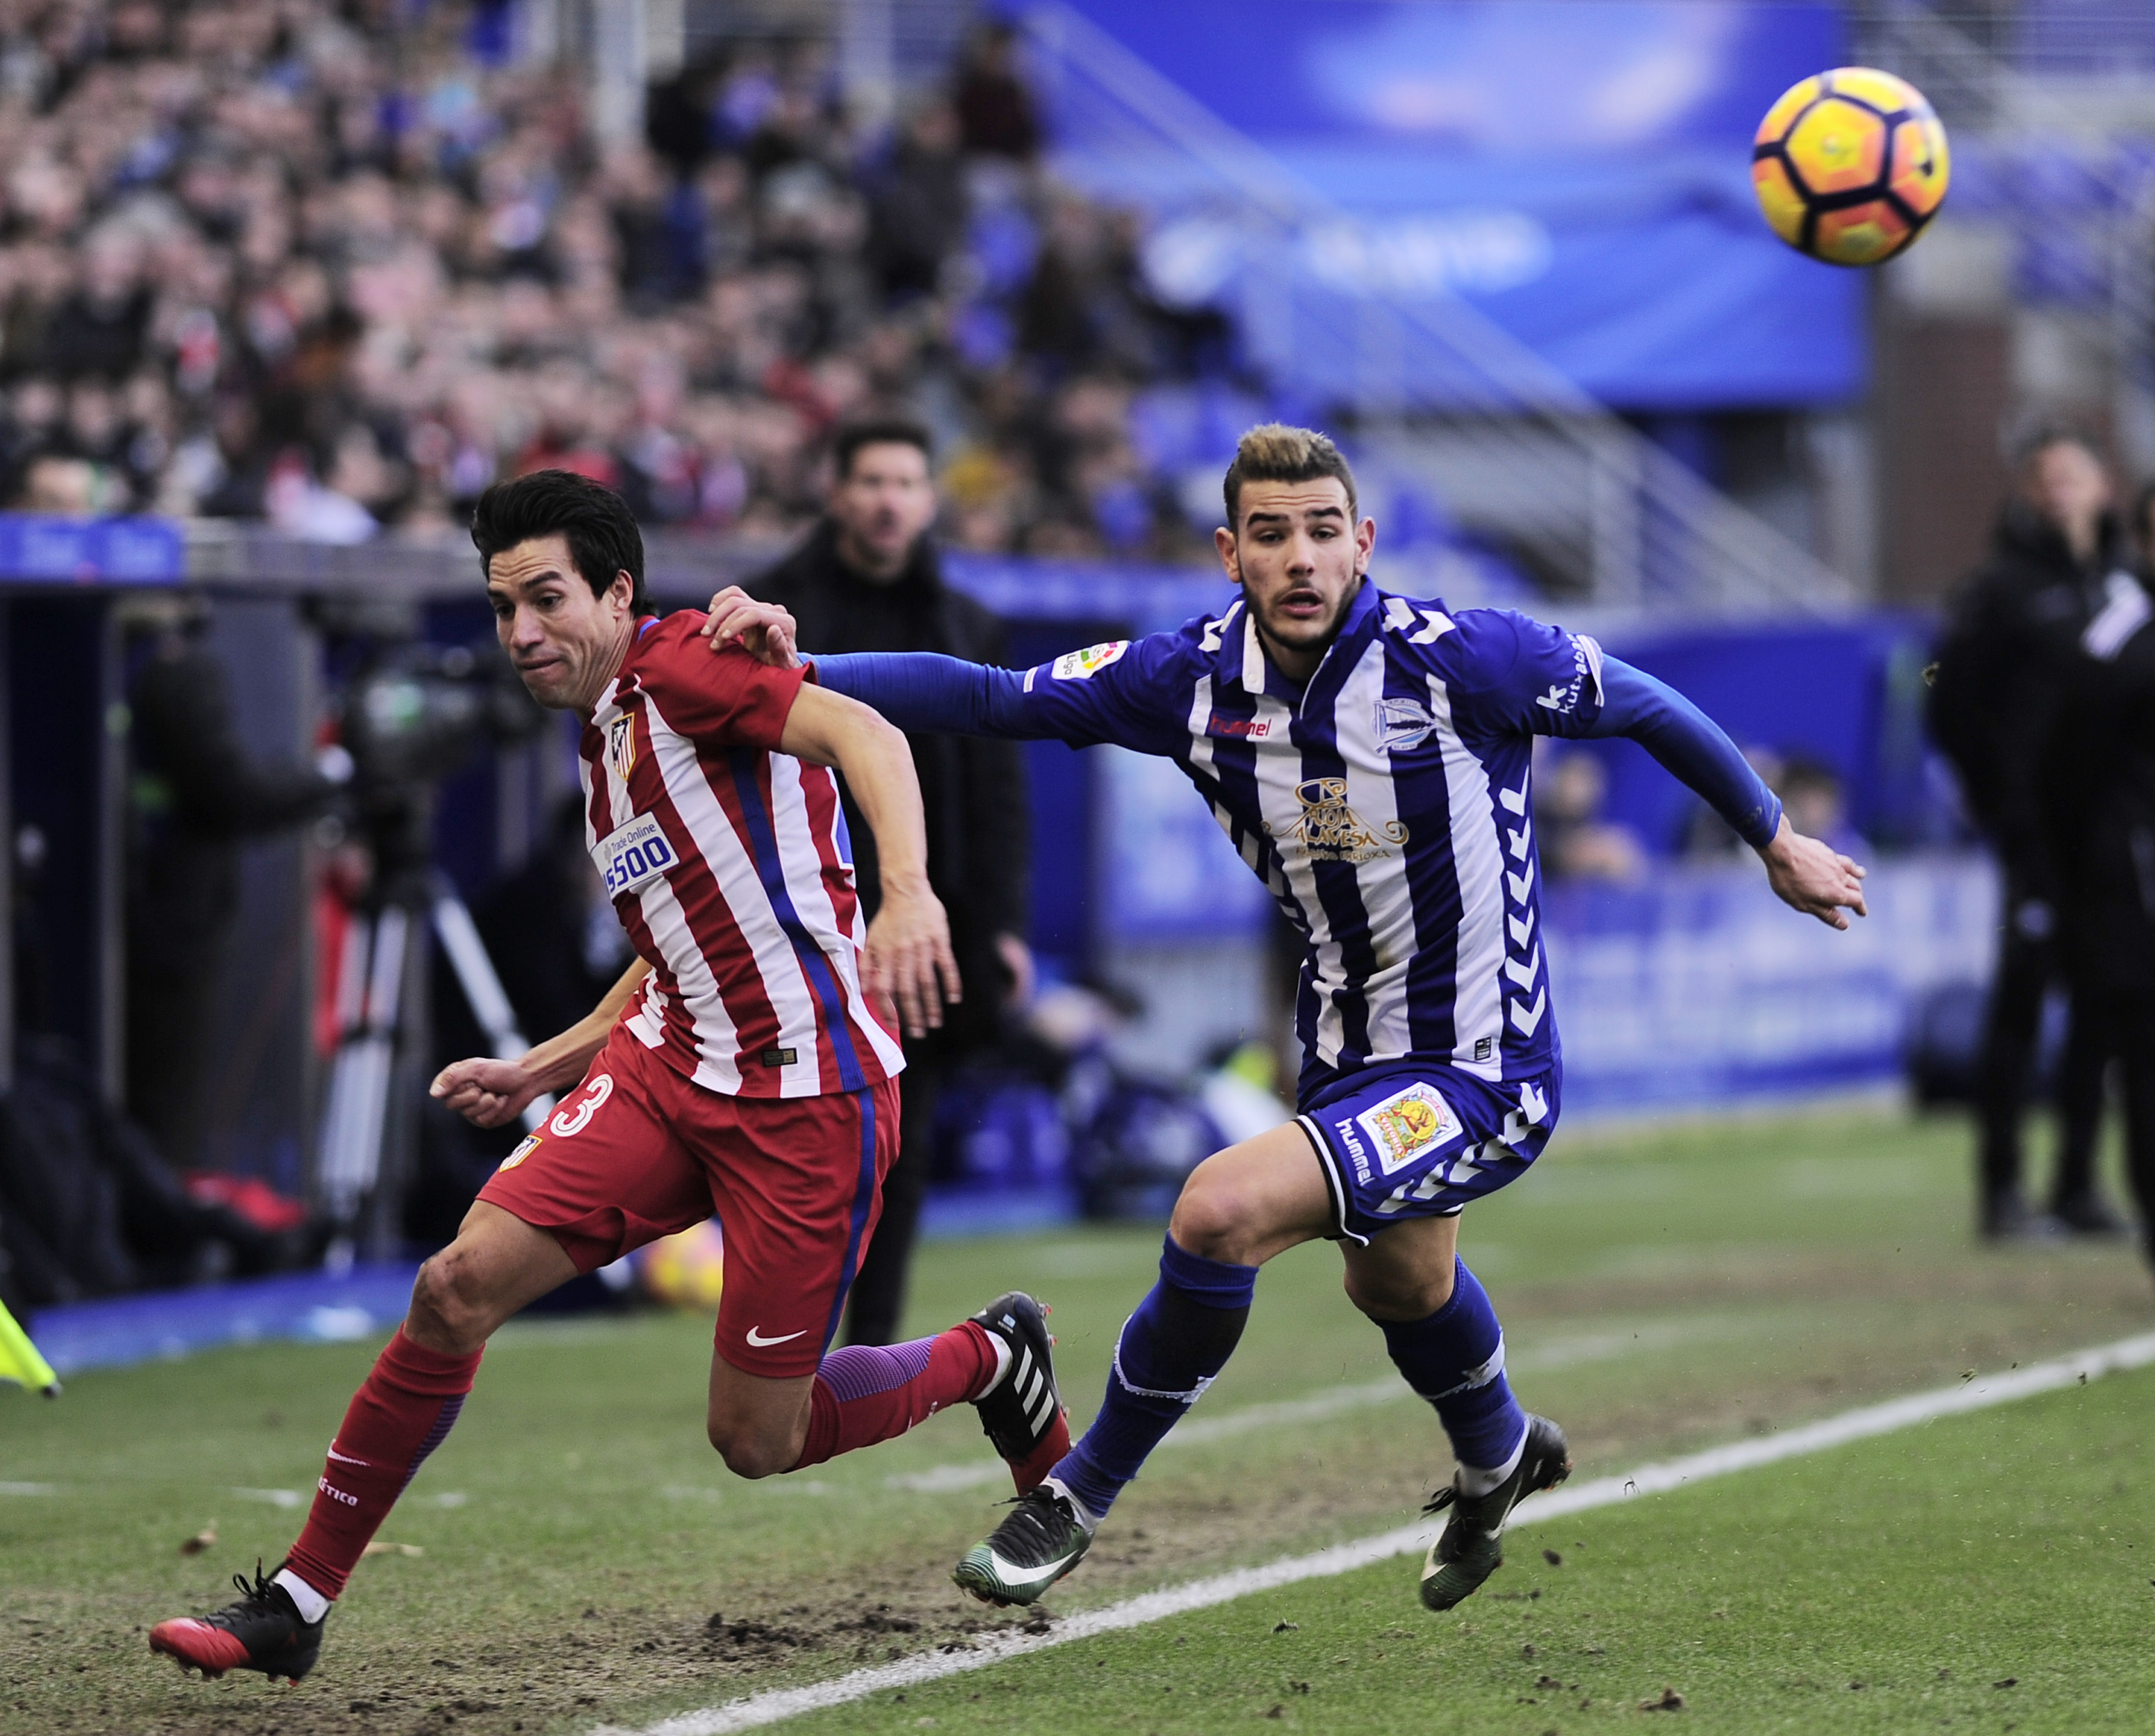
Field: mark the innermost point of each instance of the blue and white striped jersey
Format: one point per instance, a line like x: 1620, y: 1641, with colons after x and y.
x: 1386, y: 805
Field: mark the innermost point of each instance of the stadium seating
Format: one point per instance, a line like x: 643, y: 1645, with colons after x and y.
x: 268, y: 263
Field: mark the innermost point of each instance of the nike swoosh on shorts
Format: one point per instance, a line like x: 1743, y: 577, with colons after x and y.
x: 757, y: 1339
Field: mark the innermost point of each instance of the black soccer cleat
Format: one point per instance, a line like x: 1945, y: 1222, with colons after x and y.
x: 1471, y: 1546
x: 262, y: 1631
x: 1040, y: 1541
x: 2087, y: 1213
x: 1021, y: 1413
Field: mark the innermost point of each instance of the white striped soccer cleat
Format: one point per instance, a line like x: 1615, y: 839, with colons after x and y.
x: 1021, y: 1413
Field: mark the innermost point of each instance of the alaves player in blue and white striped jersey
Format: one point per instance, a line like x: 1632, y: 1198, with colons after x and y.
x: 1369, y: 754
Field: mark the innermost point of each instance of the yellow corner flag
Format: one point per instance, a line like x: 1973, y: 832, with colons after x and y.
x: 19, y: 1360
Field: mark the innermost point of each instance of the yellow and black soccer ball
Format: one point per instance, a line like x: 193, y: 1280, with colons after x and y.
x: 1850, y: 165
x: 687, y: 1270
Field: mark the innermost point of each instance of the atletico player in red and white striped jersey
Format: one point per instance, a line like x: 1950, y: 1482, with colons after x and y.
x: 745, y: 1064
x: 754, y: 944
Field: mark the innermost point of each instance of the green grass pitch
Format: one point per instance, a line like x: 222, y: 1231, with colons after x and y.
x: 1987, y: 1573
x: 584, y: 1558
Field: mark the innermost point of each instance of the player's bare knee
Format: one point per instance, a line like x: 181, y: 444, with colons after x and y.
x: 449, y: 1303
x: 1210, y: 1219
x: 750, y: 1451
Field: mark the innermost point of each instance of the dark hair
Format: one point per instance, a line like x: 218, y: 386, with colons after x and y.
x: 2039, y: 436
x: 883, y: 430
x: 1275, y: 453
x: 1800, y: 771
x: 601, y: 530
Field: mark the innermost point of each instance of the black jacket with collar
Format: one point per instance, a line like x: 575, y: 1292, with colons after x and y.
x: 973, y: 791
x: 2007, y: 705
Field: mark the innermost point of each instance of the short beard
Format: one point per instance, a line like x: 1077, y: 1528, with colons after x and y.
x: 1323, y: 640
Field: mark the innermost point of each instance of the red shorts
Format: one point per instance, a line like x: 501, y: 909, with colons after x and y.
x: 638, y: 1152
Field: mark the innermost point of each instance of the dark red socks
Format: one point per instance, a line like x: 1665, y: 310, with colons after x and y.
x: 401, y: 1413
x: 864, y: 1394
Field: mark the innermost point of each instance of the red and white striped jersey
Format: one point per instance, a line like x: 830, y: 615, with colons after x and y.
x: 730, y: 866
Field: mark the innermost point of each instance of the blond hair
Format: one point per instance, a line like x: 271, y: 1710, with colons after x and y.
x: 1273, y: 451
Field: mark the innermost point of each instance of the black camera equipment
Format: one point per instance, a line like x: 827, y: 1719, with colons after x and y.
x: 410, y: 715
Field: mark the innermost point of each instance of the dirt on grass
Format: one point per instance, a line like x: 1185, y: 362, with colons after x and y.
x: 616, y: 1654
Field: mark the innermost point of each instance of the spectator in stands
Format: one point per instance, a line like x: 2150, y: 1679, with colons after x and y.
x: 996, y: 116
x: 1706, y: 836
x: 867, y: 579
x: 1817, y: 805
x: 351, y: 258
x: 1576, y: 843
x: 2008, y: 666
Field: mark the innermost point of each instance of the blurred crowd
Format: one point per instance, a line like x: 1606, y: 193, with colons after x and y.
x: 340, y: 265
x: 1580, y: 841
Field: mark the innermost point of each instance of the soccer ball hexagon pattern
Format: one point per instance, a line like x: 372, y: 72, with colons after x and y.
x: 1850, y: 165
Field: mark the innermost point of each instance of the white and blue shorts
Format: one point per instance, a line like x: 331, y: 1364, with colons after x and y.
x: 1419, y: 1139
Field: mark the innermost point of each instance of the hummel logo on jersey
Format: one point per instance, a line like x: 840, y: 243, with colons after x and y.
x: 755, y: 1337
x: 1242, y: 729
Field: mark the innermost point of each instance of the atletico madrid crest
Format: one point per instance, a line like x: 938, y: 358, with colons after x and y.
x: 621, y: 745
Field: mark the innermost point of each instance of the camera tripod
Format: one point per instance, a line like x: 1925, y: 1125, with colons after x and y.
x: 371, y: 1123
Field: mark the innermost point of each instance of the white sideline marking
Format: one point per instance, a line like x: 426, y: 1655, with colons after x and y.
x: 286, y: 1498
x: 1559, y: 1353
x: 28, y: 1488
x: 757, y: 1710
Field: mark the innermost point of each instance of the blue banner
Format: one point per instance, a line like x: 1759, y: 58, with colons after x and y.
x: 1700, y: 986
x: 1580, y: 174
x: 136, y: 551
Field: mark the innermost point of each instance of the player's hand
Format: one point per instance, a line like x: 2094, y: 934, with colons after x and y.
x: 762, y: 629
x: 486, y: 1093
x: 909, y: 960
x: 1813, y: 877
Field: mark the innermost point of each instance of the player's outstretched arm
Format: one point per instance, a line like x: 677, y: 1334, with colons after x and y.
x: 922, y: 690
x: 487, y: 1093
x: 1806, y: 874
x: 909, y: 952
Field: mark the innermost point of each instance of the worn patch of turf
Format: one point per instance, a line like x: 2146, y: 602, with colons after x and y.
x: 1661, y: 1288
x: 1989, y: 1573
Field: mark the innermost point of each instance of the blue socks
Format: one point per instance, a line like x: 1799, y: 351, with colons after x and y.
x: 1171, y: 1351
x: 1184, y: 1332
x: 1455, y: 1359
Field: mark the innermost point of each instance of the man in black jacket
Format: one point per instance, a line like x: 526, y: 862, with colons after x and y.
x: 198, y: 795
x: 867, y: 579
x: 1999, y: 709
